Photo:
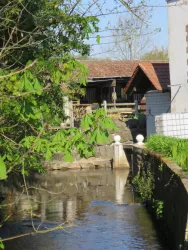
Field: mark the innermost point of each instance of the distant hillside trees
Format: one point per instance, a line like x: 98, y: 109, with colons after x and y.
x: 157, y: 54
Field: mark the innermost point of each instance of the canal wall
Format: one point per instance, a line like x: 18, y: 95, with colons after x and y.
x: 170, y: 191
x: 104, y: 153
x: 102, y: 159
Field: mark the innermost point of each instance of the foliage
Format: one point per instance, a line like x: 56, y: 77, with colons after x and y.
x: 161, y: 167
x: 174, y: 148
x: 157, y: 54
x: 37, y: 42
x: 140, y: 116
x: 30, y: 29
x: 158, y: 206
x: 31, y: 92
x: 144, y: 184
x: 37, y: 142
x: 1, y: 245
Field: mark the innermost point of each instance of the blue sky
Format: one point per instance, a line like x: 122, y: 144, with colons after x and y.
x: 159, y: 19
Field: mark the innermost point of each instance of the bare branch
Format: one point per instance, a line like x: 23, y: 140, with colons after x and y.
x: 19, y: 71
x: 59, y: 227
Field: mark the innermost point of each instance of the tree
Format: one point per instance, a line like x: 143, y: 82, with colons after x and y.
x: 132, y: 34
x: 131, y: 37
x: 156, y: 54
x: 37, y: 39
x: 37, y: 42
x: 32, y: 96
x: 30, y: 29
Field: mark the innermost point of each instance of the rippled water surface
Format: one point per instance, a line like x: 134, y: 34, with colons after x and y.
x: 98, y: 203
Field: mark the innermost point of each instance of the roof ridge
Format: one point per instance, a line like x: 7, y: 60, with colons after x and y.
x: 128, y: 61
x: 152, y: 72
x: 150, y: 78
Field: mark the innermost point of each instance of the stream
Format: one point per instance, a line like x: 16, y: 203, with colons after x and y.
x: 96, y: 207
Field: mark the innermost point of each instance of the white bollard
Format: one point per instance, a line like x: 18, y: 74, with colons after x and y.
x: 140, y: 139
x: 120, y: 159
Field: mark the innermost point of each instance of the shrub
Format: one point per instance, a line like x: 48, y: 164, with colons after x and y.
x: 144, y: 184
x: 174, y: 148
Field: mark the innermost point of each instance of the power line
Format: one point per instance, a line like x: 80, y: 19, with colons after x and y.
x: 107, y: 36
x: 119, y: 41
x: 139, y: 7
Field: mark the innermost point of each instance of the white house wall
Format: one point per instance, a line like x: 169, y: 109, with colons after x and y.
x: 178, y: 54
x: 157, y: 103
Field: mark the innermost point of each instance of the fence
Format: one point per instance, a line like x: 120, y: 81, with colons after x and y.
x: 124, y: 110
x: 74, y: 111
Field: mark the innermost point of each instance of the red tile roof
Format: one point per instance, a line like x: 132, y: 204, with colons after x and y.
x: 100, y: 69
x: 157, y: 73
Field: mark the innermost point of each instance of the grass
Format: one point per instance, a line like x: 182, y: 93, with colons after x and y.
x: 171, y: 147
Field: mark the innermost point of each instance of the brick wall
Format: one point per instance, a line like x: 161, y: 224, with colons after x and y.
x: 157, y: 103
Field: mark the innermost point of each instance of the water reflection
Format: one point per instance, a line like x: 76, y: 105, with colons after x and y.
x: 98, y: 202
x: 120, y: 182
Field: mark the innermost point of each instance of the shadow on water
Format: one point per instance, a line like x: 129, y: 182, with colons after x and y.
x: 98, y: 202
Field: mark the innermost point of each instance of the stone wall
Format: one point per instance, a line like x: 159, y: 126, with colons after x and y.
x: 102, y: 159
x: 171, y: 186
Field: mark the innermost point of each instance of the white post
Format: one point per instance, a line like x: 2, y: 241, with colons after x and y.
x: 114, y: 96
x: 66, y: 122
x: 136, y: 108
x: 71, y: 114
x: 105, y: 106
x: 120, y: 159
x: 66, y: 105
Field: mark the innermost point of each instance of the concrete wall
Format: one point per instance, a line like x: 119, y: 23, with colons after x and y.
x: 157, y: 103
x: 178, y: 56
x: 171, y: 190
x: 175, y: 124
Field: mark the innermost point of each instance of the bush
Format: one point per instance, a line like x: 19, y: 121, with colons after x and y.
x: 174, y: 148
x: 144, y: 184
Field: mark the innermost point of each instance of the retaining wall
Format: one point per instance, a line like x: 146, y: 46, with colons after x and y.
x: 171, y: 187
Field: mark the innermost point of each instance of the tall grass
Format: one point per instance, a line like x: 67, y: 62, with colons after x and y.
x: 171, y: 147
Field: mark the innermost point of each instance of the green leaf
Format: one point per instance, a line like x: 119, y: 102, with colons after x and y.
x: 99, y: 137
x: 19, y: 85
x: 68, y: 157
x: 92, y: 137
x: 27, y: 84
x: 9, y: 157
x: 37, y: 85
x: 3, y: 174
x: 86, y: 122
x: 2, y: 245
x: 98, y: 39
x: 48, y: 154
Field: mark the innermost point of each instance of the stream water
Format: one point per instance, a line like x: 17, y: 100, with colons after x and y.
x: 97, y: 203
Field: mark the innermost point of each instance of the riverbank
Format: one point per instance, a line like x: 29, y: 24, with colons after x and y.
x: 169, y: 195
